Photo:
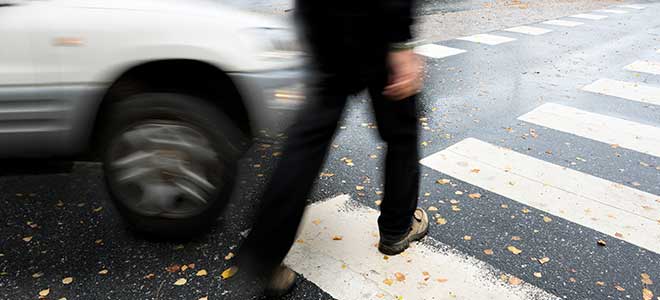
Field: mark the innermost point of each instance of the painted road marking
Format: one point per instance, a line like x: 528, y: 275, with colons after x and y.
x: 628, y: 90
x: 589, y: 16
x: 633, y: 6
x: 608, y: 207
x: 627, y: 134
x: 613, y: 11
x: 352, y: 268
x: 528, y: 30
x: 488, y: 39
x: 437, y: 51
x: 563, y: 23
x: 645, y: 66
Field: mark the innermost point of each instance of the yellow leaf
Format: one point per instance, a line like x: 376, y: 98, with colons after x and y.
x: 458, y: 192
x: 229, y: 272
x: 547, y: 219
x: 601, y: 243
x: 525, y: 211
x: 399, y: 276
x: 180, y: 281
x: 514, y: 250
x: 337, y: 238
x: 229, y: 256
x: 103, y: 272
x: 27, y: 238
x: 516, y: 238
x: 647, y: 294
x: 513, y: 280
x: 538, y: 274
x: 619, y: 288
x: 441, y: 221
x: 378, y: 202
x: 201, y: 272
x: 467, y: 238
x: 443, y: 181
x: 44, y: 293
x: 474, y: 195
x: 544, y: 260
x: 433, y: 208
x: 455, y: 208
x: 454, y: 201
x: 316, y: 222
x: 488, y: 251
x: 600, y: 283
x: 67, y: 280
x: 646, y: 279
x: 388, y: 281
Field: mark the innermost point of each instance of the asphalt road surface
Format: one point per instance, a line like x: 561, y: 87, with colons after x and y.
x: 541, y: 170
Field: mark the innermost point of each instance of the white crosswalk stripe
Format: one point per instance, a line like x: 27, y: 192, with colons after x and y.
x: 488, y: 39
x: 563, y: 23
x: 608, y: 207
x: 437, y: 51
x: 633, y: 6
x: 613, y: 11
x: 627, y: 134
x: 352, y: 268
x: 644, y: 66
x: 589, y: 16
x: 628, y: 90
x: 528, y: 30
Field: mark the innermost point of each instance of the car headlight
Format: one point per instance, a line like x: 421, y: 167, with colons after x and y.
x: 276, y: 43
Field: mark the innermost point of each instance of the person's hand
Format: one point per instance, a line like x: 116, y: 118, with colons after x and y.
x: 406, y: 75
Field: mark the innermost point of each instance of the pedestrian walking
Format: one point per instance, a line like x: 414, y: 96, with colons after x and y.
x: 355, y: 45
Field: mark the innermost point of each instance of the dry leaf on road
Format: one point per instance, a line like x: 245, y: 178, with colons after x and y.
x: 513, y: 280
x: 514, y: 250
x: 201, y: 272
x: 399, y: 276
x: 229, y: 272
x: 180, y: 281
x: 544, y: 260
x: 488, y: 251
x: 44, y: 293
x: 67, y: 280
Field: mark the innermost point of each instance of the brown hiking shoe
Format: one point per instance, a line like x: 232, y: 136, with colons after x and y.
x: 418, y: 229
x: 281, y: 282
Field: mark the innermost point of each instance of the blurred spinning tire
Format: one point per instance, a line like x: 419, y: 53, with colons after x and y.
x: 170, y: 162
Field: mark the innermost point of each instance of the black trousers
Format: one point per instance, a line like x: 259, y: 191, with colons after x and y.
x: 304, y: 153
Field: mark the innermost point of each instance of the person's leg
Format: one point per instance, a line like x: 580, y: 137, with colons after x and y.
x: 285, y: 197
x: 397, y: 125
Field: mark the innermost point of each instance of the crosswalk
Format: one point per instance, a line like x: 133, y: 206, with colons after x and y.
x: 336, y: 248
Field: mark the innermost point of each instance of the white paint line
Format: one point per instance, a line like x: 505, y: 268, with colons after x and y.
x: 613, y: 11
x: 437, y: 51
x: 608, y: 207
x: 627, y: 134
x: 528, y: 30
x: 589, y: 16
x: 633, y: 6
x: 627, y: 90
x: 352, y: 268
x: 488, y: 39
x: 563, y: 23
x: 645, y: 66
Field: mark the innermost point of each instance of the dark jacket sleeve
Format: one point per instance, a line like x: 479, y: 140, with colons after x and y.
x: 398, y: 16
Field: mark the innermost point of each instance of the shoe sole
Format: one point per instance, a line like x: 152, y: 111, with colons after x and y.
x: 403, y: 245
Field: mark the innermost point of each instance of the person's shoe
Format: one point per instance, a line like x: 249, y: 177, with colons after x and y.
x: 281, y: 282
x: 418, y: 229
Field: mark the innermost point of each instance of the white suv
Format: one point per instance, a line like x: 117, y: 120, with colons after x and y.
x: 167, y: 94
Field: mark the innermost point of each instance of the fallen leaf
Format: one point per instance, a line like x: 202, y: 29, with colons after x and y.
x: 544, y: 260
x: 601, y: 243
x: 201, y: 272
x: 513, y: 280
x: 619, y: 288
x: 427, y: 194
x: 229, y: 256
x: 316, y: 222
x: 647, y: 294
x: 467, y: 238
x: 572, y: 280
x: 600, y: 283
x: 458, y: 193
x: 504, y: 206
x: 103, y: 272
x: 228, y: 273
x: 441, y: 221
x: 27, y: 239
x: 67, y: 280
x: 359, y: 187
x: 619, y: 235
x: 538, y: 274
x: 388, y: 281
x: 432, y: 208
x: 488, y: 251
x: 204, y: 298
x: 525, y: 211
x: 150, y: 276
x: 454, y: 201
x: 378, y: 202
x: 44, y: 293
x: 399, y: 276
x: 337, y: 238
x: 455, y: 208
x: 443, y: 181
x: 180, y: 281
x: 646, y: 279
x: 475, y: 171
x: 326, y: 175
x: 547, y: 219
x: 474, y: 195
x: 98, y: 209
x: 37, y: 275
x: 173, y: 268
x: 516, y: 238
x: 184, y: 268
x: 514, y: 250
x: 441, y: 279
